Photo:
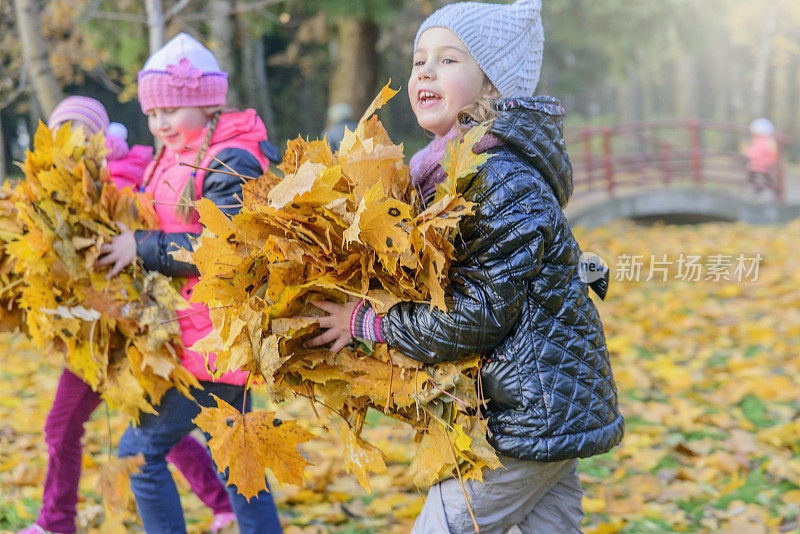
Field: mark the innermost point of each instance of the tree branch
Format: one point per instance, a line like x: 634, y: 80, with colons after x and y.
x: 100, y: 74
x: 110, y: 15
x: 242, y: 8
x: 21, y: 87
x: 174, y: 10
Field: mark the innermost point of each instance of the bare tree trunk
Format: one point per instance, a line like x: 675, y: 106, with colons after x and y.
x: 721, y: 60
x: 3, y: 162
x: 770, y: 104
x: 156, y: 24
x: 624, y: 97
x: 682, y: 72
x: 355, y: 65
x: 762, y: 73
x: 35, y: 113
x: 792, y: 124
x: 646, y: 83
x: 728, y: 82
x: 686, y: 85
x: 223, y: 36
x: 738, y: 86
x: 47, y: 90
x: 256, y: 88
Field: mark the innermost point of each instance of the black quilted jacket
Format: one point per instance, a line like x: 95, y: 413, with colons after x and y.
x: 516, y: 298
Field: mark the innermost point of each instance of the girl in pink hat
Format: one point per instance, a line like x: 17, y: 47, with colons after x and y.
x: 75, y: 401
x: 182, y: 90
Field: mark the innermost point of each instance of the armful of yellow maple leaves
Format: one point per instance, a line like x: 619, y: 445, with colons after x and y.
x: 335, y: 227
x: 116, y: 333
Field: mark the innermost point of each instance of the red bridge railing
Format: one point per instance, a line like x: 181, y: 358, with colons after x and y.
x: 700, y: 153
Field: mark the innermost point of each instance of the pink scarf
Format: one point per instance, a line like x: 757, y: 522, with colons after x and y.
x: 424, y: 165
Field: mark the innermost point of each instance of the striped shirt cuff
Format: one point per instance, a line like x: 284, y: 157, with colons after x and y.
x: 366, y: 324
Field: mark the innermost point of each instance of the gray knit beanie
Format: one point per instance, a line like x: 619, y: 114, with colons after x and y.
x: 506, y: 40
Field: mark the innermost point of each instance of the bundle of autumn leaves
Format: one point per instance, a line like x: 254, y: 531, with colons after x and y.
x: 118, y: 335
x: 335, y: 226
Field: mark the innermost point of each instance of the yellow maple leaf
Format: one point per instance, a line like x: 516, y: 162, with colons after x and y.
x: 434, y: 457
x: 381, y: 223
x: 114, y: 483
x: 360, y: 457
x: 460, y: 161
x: 386, y: 93
x: 247, y: 444
x: 125, y: 393
x: 214, y: 219
x: 301, y: 185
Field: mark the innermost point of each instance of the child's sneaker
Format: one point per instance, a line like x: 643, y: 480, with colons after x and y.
x: 34, y: 529
x: 220, y: 521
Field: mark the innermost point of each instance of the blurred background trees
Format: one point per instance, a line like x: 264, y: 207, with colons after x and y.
x: 610, y: 61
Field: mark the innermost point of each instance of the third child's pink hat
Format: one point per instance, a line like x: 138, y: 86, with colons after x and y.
x: 87, y: 110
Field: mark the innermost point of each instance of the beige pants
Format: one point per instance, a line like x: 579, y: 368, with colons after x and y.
x: 521, y: 496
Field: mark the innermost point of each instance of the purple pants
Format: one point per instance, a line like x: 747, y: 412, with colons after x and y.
x: 74, y: 403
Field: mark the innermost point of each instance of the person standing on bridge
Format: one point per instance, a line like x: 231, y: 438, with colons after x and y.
x: 762, y: 155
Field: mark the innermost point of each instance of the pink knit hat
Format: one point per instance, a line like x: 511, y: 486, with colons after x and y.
x: 183, y: 73
x: 117, y: 141
x: 80, y: 108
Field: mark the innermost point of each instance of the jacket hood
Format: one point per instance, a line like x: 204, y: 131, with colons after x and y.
x: 534, y: 127
x: 244, y: 126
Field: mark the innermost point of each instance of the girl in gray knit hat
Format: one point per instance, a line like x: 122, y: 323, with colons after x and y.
x: 515, y: 295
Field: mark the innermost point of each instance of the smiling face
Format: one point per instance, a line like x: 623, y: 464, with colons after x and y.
x: 178, y: 127
x: 445, y: 78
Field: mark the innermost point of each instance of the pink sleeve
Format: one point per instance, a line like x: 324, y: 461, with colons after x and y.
x: 130, y: 170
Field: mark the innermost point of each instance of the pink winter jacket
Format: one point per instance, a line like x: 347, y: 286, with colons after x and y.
x: 128, y: 169
x: 240, y: 141
x: 762, y: 154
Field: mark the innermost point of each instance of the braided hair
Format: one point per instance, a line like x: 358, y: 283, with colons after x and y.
x: 185, y: 207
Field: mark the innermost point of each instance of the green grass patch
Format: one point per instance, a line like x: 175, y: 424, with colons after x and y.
x: 12, y: 513
x: 600, y: 466
x: 755, y: 491
x: 756, y: 412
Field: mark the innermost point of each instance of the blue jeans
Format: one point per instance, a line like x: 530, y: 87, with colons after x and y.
x: 154, y: 489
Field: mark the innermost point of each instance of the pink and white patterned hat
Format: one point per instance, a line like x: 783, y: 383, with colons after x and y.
x: 183, y: 73
x: 80, y: 108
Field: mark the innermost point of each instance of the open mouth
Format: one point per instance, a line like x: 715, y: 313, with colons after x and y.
x: 427, y: 99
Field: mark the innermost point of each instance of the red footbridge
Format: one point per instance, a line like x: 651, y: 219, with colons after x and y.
x: 687, y: 171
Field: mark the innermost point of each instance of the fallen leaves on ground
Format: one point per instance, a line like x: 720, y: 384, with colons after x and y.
x: 709, y: 376
x: 709, y: 379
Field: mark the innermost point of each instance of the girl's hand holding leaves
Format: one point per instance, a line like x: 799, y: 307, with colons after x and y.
x: 120, y: 253
x: 336, y: 323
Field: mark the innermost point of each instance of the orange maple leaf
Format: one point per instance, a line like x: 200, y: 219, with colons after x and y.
x: 246, y: 444
x: 360, y: 457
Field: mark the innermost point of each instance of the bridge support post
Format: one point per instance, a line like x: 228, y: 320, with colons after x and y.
x: 779, y: 177
x: 663, y: 150
x: 696, y: 152
x: 587, y: 154
x: 608, y: 167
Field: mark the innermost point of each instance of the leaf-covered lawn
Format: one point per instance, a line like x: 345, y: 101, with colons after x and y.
x: 709, y: 377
